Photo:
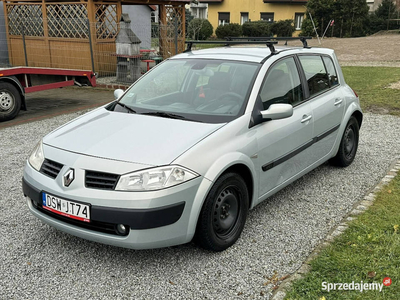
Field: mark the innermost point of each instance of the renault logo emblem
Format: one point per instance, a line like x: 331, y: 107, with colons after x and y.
x: 69, y: 177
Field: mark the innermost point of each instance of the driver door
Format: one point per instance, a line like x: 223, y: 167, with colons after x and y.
x: 283, y: 145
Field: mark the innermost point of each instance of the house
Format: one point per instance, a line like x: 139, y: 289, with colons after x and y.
x: 141, y: 16
x: 374, y: 4
x: 3, y: 39
x: 199, y: 10
x: 222, y: 12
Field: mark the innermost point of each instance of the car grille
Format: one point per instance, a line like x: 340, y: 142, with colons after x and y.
x: 50, y: 168
x: 99, y: 180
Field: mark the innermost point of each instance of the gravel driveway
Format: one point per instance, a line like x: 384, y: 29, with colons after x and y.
x: 39, y: 262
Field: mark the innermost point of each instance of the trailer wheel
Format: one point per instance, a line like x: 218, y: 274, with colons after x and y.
x: 10, y: 101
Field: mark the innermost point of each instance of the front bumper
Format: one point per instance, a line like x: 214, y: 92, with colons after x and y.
x: 155, y: 219
x: 134, y: 218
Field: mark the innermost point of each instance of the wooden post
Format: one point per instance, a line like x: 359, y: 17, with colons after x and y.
x: 93, y: 36
x: 182, y: 44
x: 163, y: 32
x: 46, y: 30
x: 7, y: 33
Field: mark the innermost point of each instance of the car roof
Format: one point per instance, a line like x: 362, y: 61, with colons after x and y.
x: 249, y: 54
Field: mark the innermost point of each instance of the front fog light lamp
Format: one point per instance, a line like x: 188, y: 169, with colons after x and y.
x: 37, y: 157
x: 154, y: 179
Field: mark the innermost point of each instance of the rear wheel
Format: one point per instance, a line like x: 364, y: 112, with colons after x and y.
x: 348, y: 145
x: 224, y: 213
x: 10, y: 101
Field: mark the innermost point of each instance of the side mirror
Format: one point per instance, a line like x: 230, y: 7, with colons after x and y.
x: 118, y: 93
x: 277, y: 112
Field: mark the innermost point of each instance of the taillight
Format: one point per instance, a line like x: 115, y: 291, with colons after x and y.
x: 355, y: 93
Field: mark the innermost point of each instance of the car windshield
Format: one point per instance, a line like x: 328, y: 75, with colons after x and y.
x: 212, y: 91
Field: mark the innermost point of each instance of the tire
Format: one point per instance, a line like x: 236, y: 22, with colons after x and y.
x: 223, y: 214
x: 348, y: 145
x: 10, y: 101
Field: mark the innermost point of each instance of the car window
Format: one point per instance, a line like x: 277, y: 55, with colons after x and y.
x: 282, y: 84
x: 315, y: 72
x: 330, y: 67
x: 202, y: 90
x: 168, y: 82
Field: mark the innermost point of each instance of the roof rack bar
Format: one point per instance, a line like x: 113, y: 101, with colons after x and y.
x: 230, y: 42
x: 303, y: 39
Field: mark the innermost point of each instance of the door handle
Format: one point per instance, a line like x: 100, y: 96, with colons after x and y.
x: 306, y: 118
x: 338, y: 101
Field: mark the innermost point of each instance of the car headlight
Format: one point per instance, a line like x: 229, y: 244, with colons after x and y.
x: 154, y: 179
x: 37, y: 157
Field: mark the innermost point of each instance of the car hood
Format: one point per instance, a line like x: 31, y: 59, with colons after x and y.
x: 135, y: 138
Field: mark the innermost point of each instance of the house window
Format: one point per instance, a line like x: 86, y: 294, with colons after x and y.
x: 269, y: 17
x: 153, y: 17
x: 298, y: 20
x: 244, y: 17
x: 224, y: 18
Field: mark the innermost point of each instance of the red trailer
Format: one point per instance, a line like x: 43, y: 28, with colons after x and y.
x: 16, y: 82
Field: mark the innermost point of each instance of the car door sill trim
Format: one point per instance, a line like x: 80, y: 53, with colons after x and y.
x: 288, y: 156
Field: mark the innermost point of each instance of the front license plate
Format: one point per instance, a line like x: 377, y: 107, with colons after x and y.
x: 66, y: 208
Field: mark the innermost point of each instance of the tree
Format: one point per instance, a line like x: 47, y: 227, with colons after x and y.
x: 231, y: 29
x: 199, y: 29
x: 385, y: 11
x: 283, y: 28
x: 322, y: 12
x: 350, y: 18
x: 188, y: 18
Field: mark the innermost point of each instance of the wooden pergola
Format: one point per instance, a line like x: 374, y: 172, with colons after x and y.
x: 81, y: 34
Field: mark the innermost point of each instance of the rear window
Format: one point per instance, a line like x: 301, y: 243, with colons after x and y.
x: 316, y: 75
x: 330, y: 68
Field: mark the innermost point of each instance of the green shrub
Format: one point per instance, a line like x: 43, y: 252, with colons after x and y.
x: 257, y: 28
x: 232, y: 29
x: 199, y: 29
x: 283, y: 28
x: 307, y: 28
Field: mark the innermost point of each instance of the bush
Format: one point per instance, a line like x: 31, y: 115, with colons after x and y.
x: 283, y: 28
x: 257, y: 28
x: 224, y: 31
x: 307, y: 28
x: 199, y: 29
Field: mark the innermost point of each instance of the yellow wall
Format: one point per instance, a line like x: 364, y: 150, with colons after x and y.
x: 254, y: 8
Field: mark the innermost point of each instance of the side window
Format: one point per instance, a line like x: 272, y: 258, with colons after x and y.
x: 282, y: 84
x: 315, y: 72
x: 330, y: 67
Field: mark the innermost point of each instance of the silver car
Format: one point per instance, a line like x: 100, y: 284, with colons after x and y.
x: 194, y: 144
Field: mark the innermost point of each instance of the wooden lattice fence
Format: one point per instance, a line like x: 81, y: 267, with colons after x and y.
x: 79, y: 35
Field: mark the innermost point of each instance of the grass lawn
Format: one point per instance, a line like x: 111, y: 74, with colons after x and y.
x: 370, y: 83
x: 368, y: 251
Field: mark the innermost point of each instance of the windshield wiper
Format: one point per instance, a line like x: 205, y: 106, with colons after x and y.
x: 127, y: 107
x: 165, y: 115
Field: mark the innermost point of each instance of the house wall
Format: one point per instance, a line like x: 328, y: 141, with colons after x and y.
x: 3, y: 40
x: 254, y: 8
x: 140, y: 22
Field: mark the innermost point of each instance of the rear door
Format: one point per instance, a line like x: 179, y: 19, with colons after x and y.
x: 326, y: 100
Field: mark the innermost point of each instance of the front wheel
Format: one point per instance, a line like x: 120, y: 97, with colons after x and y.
x: 10, y: 101
x: 224, y: 213
x: 348, y: 145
